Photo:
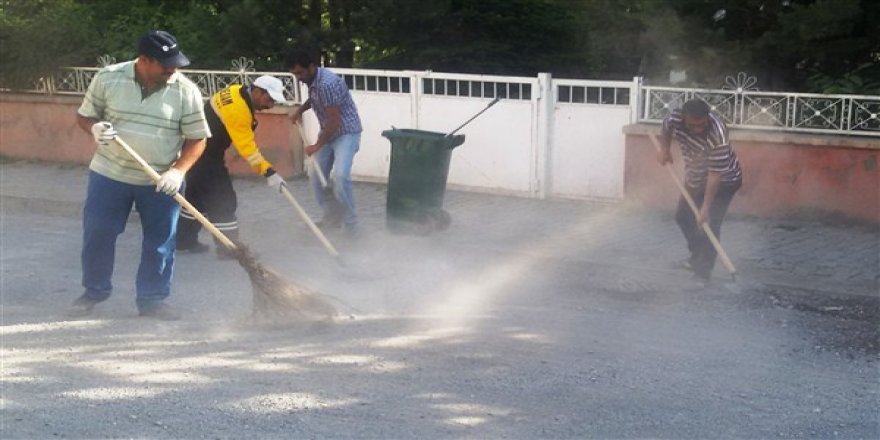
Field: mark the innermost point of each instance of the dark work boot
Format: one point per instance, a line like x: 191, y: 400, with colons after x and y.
x: 188, y: 236
x: 81, y: 307
x: 195, y: 247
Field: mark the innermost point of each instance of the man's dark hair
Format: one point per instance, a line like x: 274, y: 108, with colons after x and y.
x: 695, y: 107
x: 300, y: 56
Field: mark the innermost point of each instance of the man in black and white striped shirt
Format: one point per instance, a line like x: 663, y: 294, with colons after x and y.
x: 713, y: 176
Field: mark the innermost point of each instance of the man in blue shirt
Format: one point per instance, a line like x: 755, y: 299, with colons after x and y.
x: 338, y: 140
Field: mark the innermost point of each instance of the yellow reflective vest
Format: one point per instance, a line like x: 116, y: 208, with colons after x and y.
x: 238, y: 118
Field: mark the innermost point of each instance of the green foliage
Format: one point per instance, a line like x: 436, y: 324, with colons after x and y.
x: 482, y: 36
x: 863, y: 80
x: 780, y: 42
x: 38, y: 36
x: 787, y: 44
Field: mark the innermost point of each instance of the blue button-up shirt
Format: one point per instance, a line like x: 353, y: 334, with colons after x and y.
x: 329, y: 90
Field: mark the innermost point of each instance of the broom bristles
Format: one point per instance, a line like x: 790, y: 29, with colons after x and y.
x: 275, y: 296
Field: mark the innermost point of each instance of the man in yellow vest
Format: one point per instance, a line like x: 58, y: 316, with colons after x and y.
x: 231, y: 117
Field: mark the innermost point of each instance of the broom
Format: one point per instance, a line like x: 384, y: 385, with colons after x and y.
x: 273, y: 295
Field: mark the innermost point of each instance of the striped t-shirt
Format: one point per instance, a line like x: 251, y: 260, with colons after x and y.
x: 703, y: 153
x: 155, y: 126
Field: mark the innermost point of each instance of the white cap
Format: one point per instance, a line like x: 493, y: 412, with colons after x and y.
x: 273, y: 86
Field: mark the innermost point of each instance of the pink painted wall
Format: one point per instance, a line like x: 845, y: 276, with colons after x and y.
x: 783, y: 174
x: 44, y: 128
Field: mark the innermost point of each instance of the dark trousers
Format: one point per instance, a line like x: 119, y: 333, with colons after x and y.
x: 209, y: 189
x: 702, y: 252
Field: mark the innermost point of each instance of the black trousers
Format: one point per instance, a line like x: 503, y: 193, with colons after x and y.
x: 703, y: 254
x: 209, y: 189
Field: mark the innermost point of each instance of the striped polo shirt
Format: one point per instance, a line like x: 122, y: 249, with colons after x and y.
x: 154, y: 126
x: 329, y: 90
x: 701, y: 154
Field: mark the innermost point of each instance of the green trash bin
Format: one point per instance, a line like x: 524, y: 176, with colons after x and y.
x: 417, y: 180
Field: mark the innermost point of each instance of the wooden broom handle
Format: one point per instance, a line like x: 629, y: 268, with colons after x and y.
x: 177, y: 197
x: 309, y: 159
x: 302, y: 213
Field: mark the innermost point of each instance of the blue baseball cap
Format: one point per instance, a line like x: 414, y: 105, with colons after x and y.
x: 162, y: 46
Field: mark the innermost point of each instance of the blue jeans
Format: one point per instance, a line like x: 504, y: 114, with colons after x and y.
x: 107, y: 207
x: 338, y: 155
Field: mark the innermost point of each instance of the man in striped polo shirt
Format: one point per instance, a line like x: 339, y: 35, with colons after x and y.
x: 158, y: 112
x: 713, y: 176
x: 338, y: 141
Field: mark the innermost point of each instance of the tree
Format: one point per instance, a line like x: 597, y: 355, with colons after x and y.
x: 37, y: 36
x: 809, y: 45
x: 780, y: 42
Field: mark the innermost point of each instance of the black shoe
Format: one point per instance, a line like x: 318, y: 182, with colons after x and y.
x: 81, y: 307
x: 193, y: 248
x: 162, y: 312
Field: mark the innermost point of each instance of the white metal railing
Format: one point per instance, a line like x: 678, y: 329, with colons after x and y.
x: 75, y: 81
x: 800, y: 112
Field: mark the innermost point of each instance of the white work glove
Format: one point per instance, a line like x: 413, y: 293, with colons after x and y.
x: 103, y: 132
x: 170, y: 181
x: 274, y: 180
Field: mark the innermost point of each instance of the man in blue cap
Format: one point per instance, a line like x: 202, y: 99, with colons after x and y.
x: 159, y: 113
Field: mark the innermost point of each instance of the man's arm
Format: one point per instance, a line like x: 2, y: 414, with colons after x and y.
x: 190, y: 152
x: 328, y: 131
x: 297, y: 114
x: 664, y: 156
x: 85, y: 123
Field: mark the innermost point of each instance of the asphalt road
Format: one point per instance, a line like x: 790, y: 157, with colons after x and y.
x: 512, y: 324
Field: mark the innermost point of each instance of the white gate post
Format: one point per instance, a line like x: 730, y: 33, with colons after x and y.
x: 544, y: 101
x: 635, y: 99
x: 415, y: 93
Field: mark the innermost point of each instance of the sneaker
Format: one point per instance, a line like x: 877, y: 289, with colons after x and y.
x: 352, y: 231
x: 698, y: 283
x: 162, y: 312
x: 683, y: 264
x: 325, y: 225
x: 329, y: 221
x: 81, y: 307
x: 194, y: 248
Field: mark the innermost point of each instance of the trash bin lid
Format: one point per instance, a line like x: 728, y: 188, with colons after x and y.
x: 441, y: 139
